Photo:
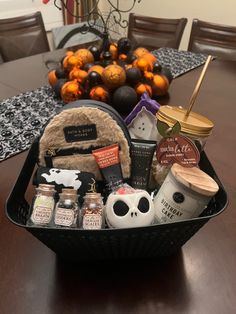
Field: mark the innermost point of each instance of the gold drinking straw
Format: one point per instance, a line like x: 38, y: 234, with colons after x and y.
x: 197, y: 87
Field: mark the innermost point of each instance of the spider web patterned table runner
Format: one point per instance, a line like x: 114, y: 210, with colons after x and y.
x: 179, y: 62
x: 22, y: 117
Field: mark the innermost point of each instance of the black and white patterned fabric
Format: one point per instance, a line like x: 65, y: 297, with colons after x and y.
x: 179, y: 62
x: 22, y: 119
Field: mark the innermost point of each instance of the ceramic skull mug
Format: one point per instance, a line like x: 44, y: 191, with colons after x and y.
x: 127, y: 208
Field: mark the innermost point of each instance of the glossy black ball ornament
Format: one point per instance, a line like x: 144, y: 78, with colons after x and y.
x: 58, y: 85
x: 106, y: 58
x: 130, y: 57
x: 96, y: 52
x: 94, y: 78
x: 157, y: 67
x: 166, y: 71
x: 87, y: 66
x: 124, y: 45
x: 133, y: 76
x: 60, y: 73
x: 124, y: 99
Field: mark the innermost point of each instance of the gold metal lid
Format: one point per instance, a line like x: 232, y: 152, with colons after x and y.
x: 195, y: 124
x: 195, y: 179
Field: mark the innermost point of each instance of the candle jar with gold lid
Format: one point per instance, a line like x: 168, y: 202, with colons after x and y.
x: 194, y: 126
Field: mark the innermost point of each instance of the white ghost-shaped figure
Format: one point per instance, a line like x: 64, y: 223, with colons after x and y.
x: 65, y: 177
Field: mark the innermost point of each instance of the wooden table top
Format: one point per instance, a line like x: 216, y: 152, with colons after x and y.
x: 200, y: 279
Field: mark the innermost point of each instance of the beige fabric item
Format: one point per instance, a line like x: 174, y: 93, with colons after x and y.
x: 108, y: 132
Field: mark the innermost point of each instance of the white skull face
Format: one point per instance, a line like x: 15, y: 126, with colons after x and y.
x: 129, y: 210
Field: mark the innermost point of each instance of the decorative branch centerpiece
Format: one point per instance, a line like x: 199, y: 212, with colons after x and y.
x: 113, y: 72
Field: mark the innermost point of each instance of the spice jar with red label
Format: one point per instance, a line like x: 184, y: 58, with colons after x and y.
x: 92, y: 212
x: 42, y: 205
x: 66, y: 211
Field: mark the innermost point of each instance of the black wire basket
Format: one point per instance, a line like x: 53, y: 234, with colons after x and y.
x: 83, y: 245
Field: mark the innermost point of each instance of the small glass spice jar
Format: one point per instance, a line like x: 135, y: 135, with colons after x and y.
x: 195, y: 127
x: 184, y: 194
x: 66, y: 211
x: 43, y: 205
x: 92, y: 212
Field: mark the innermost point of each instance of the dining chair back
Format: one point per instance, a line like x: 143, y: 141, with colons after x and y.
x: 22, y: 36
x: 153, y: 33
x: 215, y: 39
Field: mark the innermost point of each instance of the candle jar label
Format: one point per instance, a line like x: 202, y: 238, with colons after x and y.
x: 179, y: 149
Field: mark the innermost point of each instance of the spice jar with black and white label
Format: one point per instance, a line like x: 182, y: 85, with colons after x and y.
x: 184, y: 194
x: 92, y: 212
x: 66, y: 211
x: 43, y: 205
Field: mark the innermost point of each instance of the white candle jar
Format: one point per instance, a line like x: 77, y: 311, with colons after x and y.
x: 184, y: 194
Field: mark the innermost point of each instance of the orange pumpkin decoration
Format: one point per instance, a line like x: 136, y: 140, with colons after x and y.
x: 78, y: 74
x: 148, y: 75
x: 139, y: 52
x: 71, y: 61
x: 149, y: 57
x: 96, y: 68
x: 52, y: 79
x: 84, y: 55
x: 113, y: 76
x: 71, y: 91
x: 142, y: 64
x: 69, y: 53
x: 99, y: 93
x: 123, y: 57
x: 160, y: 85
x: 142, y: 88
x: 114, y: 51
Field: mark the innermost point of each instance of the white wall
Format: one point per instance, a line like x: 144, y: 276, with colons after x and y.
x: 52, y: 17
x: 222, y: 12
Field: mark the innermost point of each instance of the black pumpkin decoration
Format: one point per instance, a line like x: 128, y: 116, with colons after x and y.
x: 124, y: 99
x: 58, y: 85
x: 133, y: 76
x: 60, y: 73
x: 166, y: 71
x: 124, y: 45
